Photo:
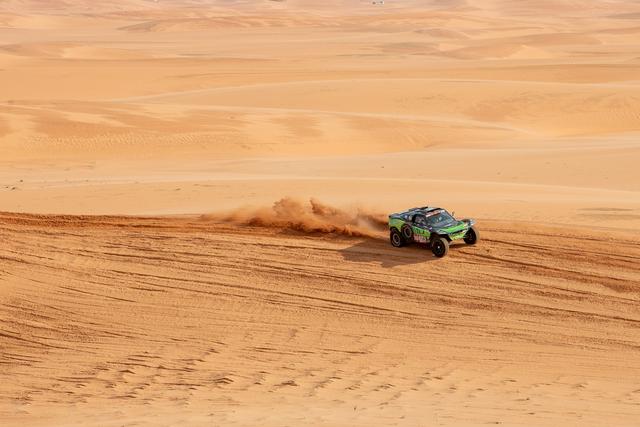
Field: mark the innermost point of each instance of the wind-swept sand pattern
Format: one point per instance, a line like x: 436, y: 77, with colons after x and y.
x: 148, y: 278
x: 135, y: 93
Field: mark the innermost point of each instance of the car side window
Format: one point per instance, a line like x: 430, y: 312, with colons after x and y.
x: 420, y: 220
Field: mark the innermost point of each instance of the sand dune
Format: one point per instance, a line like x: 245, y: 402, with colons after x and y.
x: 240, y: 158
x: 275, y: 327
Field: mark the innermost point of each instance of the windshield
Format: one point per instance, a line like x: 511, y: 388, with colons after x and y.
x: 440, y: 219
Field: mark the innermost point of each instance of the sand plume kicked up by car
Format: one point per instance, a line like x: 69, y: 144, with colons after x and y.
x: 312, y: 216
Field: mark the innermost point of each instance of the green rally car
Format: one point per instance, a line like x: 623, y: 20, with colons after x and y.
x: 432, y: 226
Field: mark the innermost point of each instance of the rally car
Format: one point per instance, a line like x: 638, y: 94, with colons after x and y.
x: 432, y: 226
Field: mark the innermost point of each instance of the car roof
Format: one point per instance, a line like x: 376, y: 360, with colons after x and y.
x: 423, y: 210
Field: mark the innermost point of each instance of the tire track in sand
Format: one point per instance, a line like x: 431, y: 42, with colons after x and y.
x: 167, y: 316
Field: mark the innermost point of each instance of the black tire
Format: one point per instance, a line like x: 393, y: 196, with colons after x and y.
x: 396, y: 239
x: 439, y: 246
x: 407, y: 234
x: 472, y: 236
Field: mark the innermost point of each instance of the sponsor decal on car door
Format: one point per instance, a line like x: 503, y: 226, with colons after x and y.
x: 420, y: 234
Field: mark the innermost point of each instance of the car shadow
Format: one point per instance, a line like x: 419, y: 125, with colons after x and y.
x: 382, y: 253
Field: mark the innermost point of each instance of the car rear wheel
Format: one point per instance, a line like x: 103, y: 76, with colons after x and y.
x: 471, y: 238
x: 396, y: 238
x: 439, y: 247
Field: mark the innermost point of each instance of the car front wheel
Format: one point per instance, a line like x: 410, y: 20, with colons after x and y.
x: 471, y: 238
x: 439, y: 247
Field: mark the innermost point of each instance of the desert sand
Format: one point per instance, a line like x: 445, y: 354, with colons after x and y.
x: 193, y: 196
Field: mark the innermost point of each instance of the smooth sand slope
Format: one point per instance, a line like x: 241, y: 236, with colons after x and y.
x: 146, y: 321
x: 199, y: 115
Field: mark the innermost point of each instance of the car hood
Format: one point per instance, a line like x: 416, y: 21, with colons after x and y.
x: 454, y: 226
